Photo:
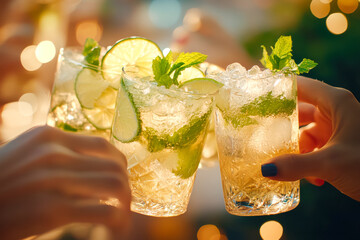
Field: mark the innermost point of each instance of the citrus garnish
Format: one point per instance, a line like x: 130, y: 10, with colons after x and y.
x: 184, y: 161
x: 201, y: 85
x: 190, y: 73
x: 96, y: 98
x: 127, y: 117
x: 89, y: 86
x: 134, y: 51
x: 102, y: 114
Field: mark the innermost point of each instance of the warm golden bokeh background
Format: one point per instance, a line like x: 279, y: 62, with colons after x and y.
x: 327, y: 31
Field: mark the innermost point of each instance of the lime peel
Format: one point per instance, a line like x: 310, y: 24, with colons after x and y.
x: 127, y: 117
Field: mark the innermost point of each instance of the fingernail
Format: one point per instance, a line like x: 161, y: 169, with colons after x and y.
x: 269, y: 170
x: 319, y: 182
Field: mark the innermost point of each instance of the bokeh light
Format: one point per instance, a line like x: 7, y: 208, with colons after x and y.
x: 326, y: 1
x: 88, y: 29
x: 45, y: 51
x: 192, y: 19
x: 28, y: 58
x: 337, y: 23
x: 319, y: 9
x: 271, y: 230
x: 164, y: 13
x: 208, y: 232
x: 31, y: 99
x: 17, y: 115
x: 348, y: 6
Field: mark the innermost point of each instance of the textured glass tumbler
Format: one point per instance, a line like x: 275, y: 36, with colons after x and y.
x: 256, y: 119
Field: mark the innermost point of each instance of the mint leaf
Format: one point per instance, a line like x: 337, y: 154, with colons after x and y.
x: 280, y: 58
x: 163, y: 68
x: 265, y: 60
x: 268, y: 105
x: 91, y: 52
x: 188, y: 60
x: 283, y: 47
x: 306, y: 65
x: 160, y: 67
x: 183, y: 137
x: 165, y: 80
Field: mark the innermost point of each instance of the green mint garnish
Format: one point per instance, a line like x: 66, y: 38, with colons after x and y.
x: 91, y: 52
x: 67, y: 127
x: 268, y: 105
x: 166, y: 72
x: 263, y: 106
x: 280, y: 58
x: 183, y: 137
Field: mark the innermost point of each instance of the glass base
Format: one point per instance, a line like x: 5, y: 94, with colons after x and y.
x: 275, y: 206
x: 158, y: 209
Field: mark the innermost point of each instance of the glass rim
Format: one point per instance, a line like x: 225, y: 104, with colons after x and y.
x: 275, y: 75
x: 167, y: 90
x: 77, y: 50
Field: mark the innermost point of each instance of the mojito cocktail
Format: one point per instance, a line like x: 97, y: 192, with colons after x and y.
x: 164, y: 154
x: 82, y: 100
x: 256, y: 119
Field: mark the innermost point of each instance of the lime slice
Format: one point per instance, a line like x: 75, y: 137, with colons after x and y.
x: 201, y: 85
x: 96, y: 98
x: 89, y: 86
x: 190, y: 73
x: 127, y: 124
x: 134, y: 51
x: 101, y: 116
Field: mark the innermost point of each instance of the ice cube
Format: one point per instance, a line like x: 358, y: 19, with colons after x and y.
x: 236, y: 68
x: 271, y: 135
x: 254, y: 71
x: 283, y: 86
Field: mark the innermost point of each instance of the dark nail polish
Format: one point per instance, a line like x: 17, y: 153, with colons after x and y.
x: 319, y: 182
x: 269, y: 170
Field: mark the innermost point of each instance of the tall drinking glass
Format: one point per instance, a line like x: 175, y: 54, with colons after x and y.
x: 256, y: 119
x: 71, y: 107
x: 164, y: 155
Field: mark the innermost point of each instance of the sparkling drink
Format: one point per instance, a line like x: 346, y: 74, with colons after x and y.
x: 70, y: 109
x: 164, y: 154
x: 256, y: 119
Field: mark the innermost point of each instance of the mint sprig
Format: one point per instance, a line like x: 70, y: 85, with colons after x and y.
x: 166, y: 71
x: 91, y: 52
x: 280, y: 58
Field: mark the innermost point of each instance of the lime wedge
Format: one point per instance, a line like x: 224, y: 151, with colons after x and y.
x: 134, y: 51
x: 201, y: 85
x: 127, y: 123
x: 89, y: 86
x: 182, y: 162
x: 190, y: 73
x: 189, y: 159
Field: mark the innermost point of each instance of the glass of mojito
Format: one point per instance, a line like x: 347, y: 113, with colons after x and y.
x: 87, y: 80
x: 256, y: 119
x: 160, y: 124
x: 82, y: 100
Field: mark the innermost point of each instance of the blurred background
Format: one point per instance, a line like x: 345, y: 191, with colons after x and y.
x: 327, y: 31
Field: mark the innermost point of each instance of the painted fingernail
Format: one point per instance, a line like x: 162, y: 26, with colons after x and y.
x: 269, y: 170
x: 319, y: 182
